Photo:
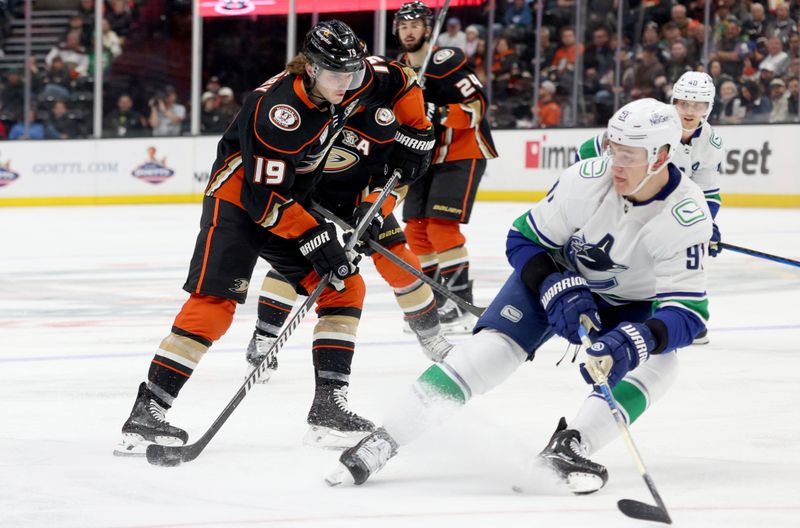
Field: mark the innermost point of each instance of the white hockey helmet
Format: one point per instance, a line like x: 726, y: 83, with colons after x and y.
x: 695, y: 86
x: 648, y: 124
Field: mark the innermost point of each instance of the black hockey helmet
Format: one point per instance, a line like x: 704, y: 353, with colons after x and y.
x: 332, y: 45
x: 412, y: 11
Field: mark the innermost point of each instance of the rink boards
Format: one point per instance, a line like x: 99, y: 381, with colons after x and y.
x: 757, y: 171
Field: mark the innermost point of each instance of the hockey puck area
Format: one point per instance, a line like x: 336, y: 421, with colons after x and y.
x: 165, y: 456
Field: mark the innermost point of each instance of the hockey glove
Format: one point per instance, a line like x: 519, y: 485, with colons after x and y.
x: 565, y: 296
x: 618, y: 352
x: 435, y: 114
x: 370, y: 233
x: 322, y: 249
x: 715, y: 245
x: 412, y: 153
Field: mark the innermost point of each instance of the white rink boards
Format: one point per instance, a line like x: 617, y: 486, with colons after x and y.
x: 86, y: 294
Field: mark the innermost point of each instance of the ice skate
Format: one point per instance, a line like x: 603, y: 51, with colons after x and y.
x: 147, y: 425
x: 331, y: 422
x: 358, y: 463
x: 567, y: 457
x: 454, y: 320
x: 259, y: 346
x: 436, y: 346
x: 702, y: 338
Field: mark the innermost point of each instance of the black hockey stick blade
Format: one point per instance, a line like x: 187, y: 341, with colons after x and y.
x: 643, y: 511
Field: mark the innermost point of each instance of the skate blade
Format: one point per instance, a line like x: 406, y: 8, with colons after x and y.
x: 339, y: 476
x: 583, y: 483
x: 462, y: 325
x: 135, y: 445
x: 327, y: 438
x: 701, y: 340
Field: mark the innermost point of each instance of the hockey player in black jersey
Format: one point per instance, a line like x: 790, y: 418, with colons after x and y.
x: 442, y: 201
x: 356, y: 165
x: 256, y: 204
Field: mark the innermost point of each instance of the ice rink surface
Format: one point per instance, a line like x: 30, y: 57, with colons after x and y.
x: 87, y: 293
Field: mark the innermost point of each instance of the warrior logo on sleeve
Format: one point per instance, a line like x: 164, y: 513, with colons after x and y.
x: 596, y: 257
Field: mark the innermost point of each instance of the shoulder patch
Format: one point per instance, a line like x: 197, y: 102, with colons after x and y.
x: 442, y: 56
x: 284, y: 117
x: 688, y: 213
x: 715, y: 140
x: 384, y: 116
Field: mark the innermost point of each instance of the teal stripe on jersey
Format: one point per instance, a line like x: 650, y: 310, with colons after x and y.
x: 437, y: 381
x: 698, y: 308
x: 714, y: 197
x: 631, y: 399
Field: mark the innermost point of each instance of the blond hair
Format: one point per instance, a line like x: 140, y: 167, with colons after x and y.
x: 297, y: 65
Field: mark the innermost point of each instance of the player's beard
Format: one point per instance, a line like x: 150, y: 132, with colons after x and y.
x: 416, y: 46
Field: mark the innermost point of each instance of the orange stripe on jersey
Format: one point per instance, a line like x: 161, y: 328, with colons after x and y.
x: 459, y: 65
x: 208, y: 246
x: 410, y: 109
x: 294, y: 221
x: 360, y: 132
x: 304, y: 145
x: 469, y: 188
x: 300, y: 91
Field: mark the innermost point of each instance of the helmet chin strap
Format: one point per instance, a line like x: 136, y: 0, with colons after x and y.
x: 650, y: 173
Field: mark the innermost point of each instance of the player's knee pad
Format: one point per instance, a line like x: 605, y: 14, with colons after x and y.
x: 445, y: 234
x: 484, y: 361
x: 417, y: 236
x: 393, y: 274
x: 206, y: 316
x: 349, y: 301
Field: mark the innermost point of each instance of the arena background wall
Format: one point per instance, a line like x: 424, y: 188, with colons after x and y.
x: 759, y: 168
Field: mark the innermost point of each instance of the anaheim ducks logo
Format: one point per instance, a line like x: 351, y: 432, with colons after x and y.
x: 240, y: 286
x: 442, y: 56
x: 284, y: 117
x: 384, y: 117
x: 340, y: 159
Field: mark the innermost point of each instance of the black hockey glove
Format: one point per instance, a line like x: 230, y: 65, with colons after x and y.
x: 322, y: 249
x: 413, y: 152
x: 370, y: 233
x: 435, y: 114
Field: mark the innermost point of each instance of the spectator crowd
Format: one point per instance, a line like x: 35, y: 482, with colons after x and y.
x: 753, y: 55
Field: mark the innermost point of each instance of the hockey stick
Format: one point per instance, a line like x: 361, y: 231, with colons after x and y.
x: 164, y: 455
x: 442, y: 290
x: 437, y: 28
x: 759, y: 254
x: 631, y: 508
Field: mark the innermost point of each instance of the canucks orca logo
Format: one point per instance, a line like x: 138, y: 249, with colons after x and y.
x: 596, y: 257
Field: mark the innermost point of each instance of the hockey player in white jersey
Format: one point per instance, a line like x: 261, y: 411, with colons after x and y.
x: 699, y: 154
x: 620, y: 238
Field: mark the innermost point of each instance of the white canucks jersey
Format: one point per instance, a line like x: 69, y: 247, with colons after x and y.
x: 701, y: 160
x: 625, y: 251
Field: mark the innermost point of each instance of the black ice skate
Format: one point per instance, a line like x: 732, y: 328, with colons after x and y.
x: 258, y: 347
x: 146, y: 425
x: 702, y: 338
x: 331, y: 422
x: 566, y: 456
x: 452, y: 317
x: 364, y: 459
